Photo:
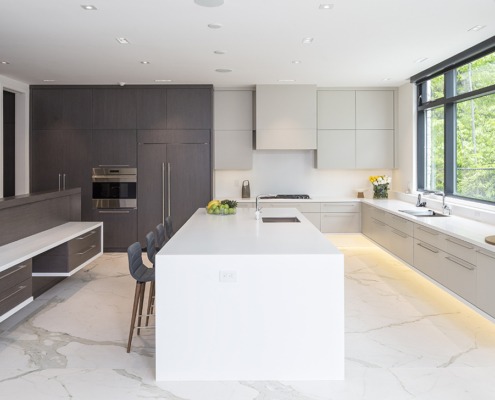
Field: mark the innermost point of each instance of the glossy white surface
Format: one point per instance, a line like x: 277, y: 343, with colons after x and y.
x: 404, y: 339
x: 239, y: 298
x: 23, y: 249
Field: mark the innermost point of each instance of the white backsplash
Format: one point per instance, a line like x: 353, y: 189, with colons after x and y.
x: 293, y: 172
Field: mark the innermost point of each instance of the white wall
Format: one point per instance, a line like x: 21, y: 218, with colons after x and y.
x: 291, y: 172
x: 21, y: 91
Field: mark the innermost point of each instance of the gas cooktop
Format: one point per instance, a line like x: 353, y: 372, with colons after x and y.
x: 287, y: 196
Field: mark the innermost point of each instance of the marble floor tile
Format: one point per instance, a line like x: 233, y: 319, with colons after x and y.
x: 405, y: 339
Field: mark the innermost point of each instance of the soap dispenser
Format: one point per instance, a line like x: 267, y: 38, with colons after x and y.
x: 246, y: 191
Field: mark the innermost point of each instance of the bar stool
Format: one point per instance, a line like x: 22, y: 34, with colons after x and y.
x: 142, y: 274
x: 168, y: 227
x: 160, y: 236
x: 151, y: 253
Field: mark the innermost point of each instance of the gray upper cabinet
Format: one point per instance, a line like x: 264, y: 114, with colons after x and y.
x: 233, y: 122
x: 61, y: 108
x: 374, y: 109
x: 286, y: 117
x: 114, y: 108
x: 189, y: 108
x: 336, y: 109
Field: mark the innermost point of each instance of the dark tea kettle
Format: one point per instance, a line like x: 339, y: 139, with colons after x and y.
x: 246, y: 191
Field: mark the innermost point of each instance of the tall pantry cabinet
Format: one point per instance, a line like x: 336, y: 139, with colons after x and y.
x: 76, y: 128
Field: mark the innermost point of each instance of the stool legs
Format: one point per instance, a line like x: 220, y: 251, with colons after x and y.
x: 138, y: 304
x: 151, y: 302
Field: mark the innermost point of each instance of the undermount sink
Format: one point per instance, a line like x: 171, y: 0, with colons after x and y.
x: 280, y: 219
x: 423, y: 213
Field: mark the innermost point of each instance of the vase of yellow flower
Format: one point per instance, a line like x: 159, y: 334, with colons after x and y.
x: 381, y: 185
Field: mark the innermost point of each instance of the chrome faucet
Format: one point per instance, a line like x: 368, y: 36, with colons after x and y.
x: 419, y: 203
x: 446, y: 209
x: 258, y: 207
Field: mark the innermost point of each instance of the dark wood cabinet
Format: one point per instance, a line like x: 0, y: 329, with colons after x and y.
x: 189, y: 108
x: 61, y: 108
x: 115, y: 147
x: 114, y: 108
x: 61, y: 159
x: 173, y: 179
x: 119, y: 228
x: 152, y: 108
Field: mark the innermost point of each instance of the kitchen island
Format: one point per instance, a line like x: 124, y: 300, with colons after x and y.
x: 242, y: 299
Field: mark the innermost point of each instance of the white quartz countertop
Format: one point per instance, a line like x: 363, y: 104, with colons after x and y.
x: 465, y: 229
x: 206, y: 234
x: 311, y: 200
x: 24, y: 249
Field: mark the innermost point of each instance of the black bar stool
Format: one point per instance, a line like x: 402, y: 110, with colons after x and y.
x: 142, y: 274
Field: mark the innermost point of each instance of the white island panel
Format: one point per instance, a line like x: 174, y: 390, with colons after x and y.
x: 236, y: 310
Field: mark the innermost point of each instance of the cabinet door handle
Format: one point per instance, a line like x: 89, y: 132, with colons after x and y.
x: 399, y: 233
x: 87, y: 236
x: 114, y: 212
x: 13, y: 294
x: 340, y: 205
x: 460, y: 263
x: 427, y: 231
x: 64, y: 180
x: 486, y: 254
x: 85, y: 251
x: 169, y: 174
x: 163, y: 193
x: 375, y: 221
x: 460, y: 244
x: 399, y: 219
x: 428, y: 248
x: 59, y: 181
x: 13, y: 272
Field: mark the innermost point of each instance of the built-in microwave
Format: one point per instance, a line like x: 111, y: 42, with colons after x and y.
x: 114, y: 187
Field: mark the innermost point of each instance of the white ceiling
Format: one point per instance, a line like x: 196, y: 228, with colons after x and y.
x: 357, y: 43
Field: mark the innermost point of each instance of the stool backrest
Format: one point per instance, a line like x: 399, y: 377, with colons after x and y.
x: 136, y: 265
x: 160, y: 236
x: 168, y: 227
x: 150, y: 247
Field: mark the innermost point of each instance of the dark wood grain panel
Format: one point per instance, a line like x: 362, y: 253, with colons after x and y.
x: 114, y: 147
x: 174, y: 136
x: 152, y: 108
x: 189, y: 108
x: 114, y: 108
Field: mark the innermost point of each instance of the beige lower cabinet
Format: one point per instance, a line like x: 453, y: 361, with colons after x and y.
x: 485, y: 279
x: 460, y: 277
x: 429, y: 260
x: 341, y: 217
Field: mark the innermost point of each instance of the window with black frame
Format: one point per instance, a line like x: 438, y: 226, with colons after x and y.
x: 456, y: 126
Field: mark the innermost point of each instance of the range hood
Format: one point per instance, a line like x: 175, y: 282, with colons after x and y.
x: 286, y: 117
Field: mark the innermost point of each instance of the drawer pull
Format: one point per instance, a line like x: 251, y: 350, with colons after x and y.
x: 433, y: 250
x: 459, y: 263
x: 114, y: 212
x: 21, y: 288
x: 87, y: 236
x: 85, y: 251
x: 399, y: 233
x: 460, y: 244
x: 427, y: 231
x: 375, y: 221
x: 339, y: 205
x: 486, y: 254
x: 338, y: 215
x: 399, y: 219
x: 16, y: 270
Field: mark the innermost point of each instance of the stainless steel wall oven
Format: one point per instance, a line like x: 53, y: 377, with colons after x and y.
x: 114, y: 188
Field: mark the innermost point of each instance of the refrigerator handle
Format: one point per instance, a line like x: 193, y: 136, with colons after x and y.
x: 168, y: 187
x: 163, y: 193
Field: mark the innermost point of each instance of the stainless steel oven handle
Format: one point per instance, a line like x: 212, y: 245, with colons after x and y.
x: 168, y: 186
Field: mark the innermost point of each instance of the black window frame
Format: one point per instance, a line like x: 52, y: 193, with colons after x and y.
x: 449, y: 101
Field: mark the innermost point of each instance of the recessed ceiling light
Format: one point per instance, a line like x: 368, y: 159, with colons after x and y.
x: 163, y: 80
x: 5, y: 62
x: 420, y: 60
x: 219, y: 52
x: 308, y: 40
x: 48, y: 80
x: 296, y: 61
x: 209, y: 3
x: 386, y: 79
x: 325, y: 6
x: 286, y: 80
x: 214, y: 26
x: 145, y: 62
x: 88, y: 7
x: 476, y: 28
x: 122, y: 40
x: 223, y: 70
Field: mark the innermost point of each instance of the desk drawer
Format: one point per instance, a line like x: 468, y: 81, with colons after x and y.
x: 84, y: 241
x: 14, y: 275
x: 15, y: 295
